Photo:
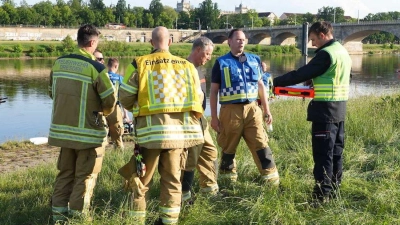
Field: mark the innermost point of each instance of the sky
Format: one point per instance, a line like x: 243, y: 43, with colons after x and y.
x: 353, y: 8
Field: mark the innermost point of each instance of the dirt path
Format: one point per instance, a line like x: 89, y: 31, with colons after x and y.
x: 15, y: 159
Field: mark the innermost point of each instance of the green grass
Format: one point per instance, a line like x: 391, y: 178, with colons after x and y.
x: 369, y: 193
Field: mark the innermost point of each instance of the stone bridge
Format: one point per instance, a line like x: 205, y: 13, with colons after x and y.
x: 349, y: 34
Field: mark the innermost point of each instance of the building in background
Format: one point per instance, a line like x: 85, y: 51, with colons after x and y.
x: 183, y: 6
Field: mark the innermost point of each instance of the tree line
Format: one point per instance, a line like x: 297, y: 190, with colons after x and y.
x: 207, y: 15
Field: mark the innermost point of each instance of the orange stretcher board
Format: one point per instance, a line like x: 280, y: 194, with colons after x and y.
x: 296, y: 91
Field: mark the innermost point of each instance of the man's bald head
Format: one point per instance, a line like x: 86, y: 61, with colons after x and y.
x: 160, y: 38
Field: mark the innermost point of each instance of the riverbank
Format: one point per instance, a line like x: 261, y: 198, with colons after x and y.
x: 53, y: 49
x: 369, y: 193
x: 48, y: 49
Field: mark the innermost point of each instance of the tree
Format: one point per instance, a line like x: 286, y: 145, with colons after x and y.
x: 139, y: 14
x: 120, y: 10
x: 148, y: 20
x: 208, y: 14
x: 97, y: 5
x: 86, y: 16
x: 45, y: 11
x: 12, y: 13
x: 156, y: 8
x: 4, y: 18
x: 26, y: 15
x: 183, y: 20
x: 328, y: 13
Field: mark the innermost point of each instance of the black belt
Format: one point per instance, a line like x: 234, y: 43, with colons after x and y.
x: 243, y: 103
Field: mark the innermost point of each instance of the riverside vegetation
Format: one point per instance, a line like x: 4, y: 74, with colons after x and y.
x: 369, y: 193
x: 48, y: 49
x: 45, y: 49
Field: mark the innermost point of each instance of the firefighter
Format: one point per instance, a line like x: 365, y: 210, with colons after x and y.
x: 82, y: 95
x: 236, y: 77
x: 330, y: 71
x: 203, y: 157
x: 163, y: 92
x: 114, y: 120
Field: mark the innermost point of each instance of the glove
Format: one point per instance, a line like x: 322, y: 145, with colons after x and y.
x: 134, y: 185
x: 131, y: 180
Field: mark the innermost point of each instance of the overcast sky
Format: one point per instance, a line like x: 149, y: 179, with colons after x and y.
x: 351, y: 8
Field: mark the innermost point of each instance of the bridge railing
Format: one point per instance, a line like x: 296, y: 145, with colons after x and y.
x: 366, y: 23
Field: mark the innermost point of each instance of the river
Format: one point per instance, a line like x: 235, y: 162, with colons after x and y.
x: 27, y: 111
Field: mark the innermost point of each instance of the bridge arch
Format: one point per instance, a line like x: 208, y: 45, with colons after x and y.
x: 284, y: 38
x: 358, y: 36
x: 260, y: 38
x: 220, y: 39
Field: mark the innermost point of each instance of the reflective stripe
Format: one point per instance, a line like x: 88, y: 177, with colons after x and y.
x: 213, y: 188
x: 271, y: 176
x: 227, y: 76
x: 150, y: 88
x: 168, y: 128
x: 228, y: 175
x: 237, y: 97
x: 128, y: 88
x: 189, y: 84
x: 62, y: 209
x: 170, y: 137
x: 72, y: 76
x: 78, y: 138
x: 139, y: 214
x: 169, y: 209
x: 107, y: 92
x: 148, y: 122
x: 82, y: 108
x: 186, y: 196
x: 186, y: 118
x: 85, y: 131
x: 90, y: 183
x: 169, y: 221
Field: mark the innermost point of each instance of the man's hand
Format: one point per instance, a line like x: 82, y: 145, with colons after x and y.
x: 215, y: 124
x: 268, y: 118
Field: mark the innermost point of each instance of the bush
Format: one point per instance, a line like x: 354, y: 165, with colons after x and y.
x: 68, y: 44
x: 51, y: 48
x: 17, y: 48
x: 2, y: 48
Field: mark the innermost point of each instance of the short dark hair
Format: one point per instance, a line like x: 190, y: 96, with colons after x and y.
x: 86, y: 33
x: 233, y: 31
x: 112, y: 61
x: 321, y: 27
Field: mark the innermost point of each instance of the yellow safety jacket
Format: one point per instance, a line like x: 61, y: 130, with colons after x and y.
x: 166, y: 85
x: 333, y: 85
x: 79, y: 86
x: 164, y: 93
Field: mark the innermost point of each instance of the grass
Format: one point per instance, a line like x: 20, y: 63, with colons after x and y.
x: 369, y: 193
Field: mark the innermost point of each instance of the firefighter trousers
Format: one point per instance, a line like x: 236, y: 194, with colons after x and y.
x: 244, y: 120
x: 169, y: 162
x: 203, y: 157
x: 116, y: 126
x: 76, y: 180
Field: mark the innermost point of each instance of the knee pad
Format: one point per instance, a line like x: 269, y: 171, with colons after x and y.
x: 227, y: 161
x: 187, y: 180
x: 265, y: 157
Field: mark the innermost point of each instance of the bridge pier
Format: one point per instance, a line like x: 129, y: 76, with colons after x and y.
x: 354, y: 47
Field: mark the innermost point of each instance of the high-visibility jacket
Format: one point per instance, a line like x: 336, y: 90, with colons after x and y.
x: 79, y: 86
x: 333, y: 85
x: 239, y: 81
x: 164, y: 93
x: 167, y: 83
